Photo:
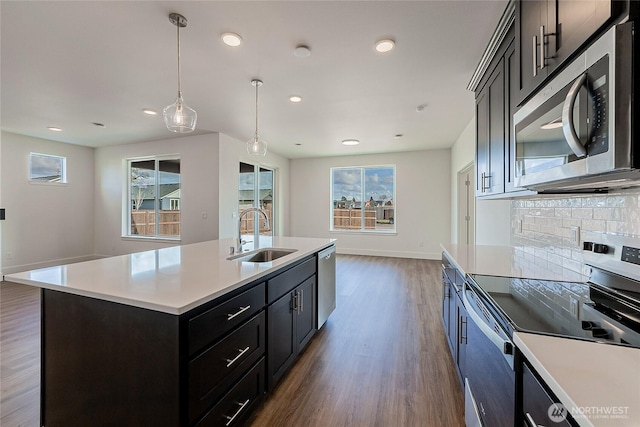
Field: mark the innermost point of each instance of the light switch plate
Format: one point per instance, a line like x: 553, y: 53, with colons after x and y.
x: 573, y: 307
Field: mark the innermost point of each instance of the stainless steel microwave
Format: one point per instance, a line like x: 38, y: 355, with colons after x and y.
x: 577, y: 132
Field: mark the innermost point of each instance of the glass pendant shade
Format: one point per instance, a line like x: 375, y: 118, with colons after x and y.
x: 257, y: 146
x: 179, y: 117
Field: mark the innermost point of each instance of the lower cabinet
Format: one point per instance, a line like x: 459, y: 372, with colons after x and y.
x: 539, y: 406
x: 129, y: 366
x: 454, y: 316
x: 291, y: 326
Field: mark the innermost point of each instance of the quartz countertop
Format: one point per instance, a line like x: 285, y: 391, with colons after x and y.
x: 172, y: 280
x: 598, y: 383
x: 506, y: 261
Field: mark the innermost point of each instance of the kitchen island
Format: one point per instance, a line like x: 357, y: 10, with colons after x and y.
x: 180, y: 336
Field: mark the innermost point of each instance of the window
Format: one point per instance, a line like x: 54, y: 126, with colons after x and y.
x: 154, y: 197
x: 255, y: 189
x: 363, y: 199
x: 47, y: 168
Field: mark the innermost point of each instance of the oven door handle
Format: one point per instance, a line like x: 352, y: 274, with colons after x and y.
x: 505, y: 346
x: 568, y: 127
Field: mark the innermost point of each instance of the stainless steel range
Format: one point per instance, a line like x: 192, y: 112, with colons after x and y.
x: 605, y: 309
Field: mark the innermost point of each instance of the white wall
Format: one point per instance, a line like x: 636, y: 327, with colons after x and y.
x: 492, y: 216
x: 46, y: 224
x: 422, y: 203
x: 232, y: 152
x: 199, y: 174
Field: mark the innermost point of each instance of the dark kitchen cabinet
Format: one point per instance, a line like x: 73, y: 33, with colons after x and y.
x: 490, y: 134
x: 291, y: 322
x: 537, y: 402
x: 548, y: 32
x: 454, y: 316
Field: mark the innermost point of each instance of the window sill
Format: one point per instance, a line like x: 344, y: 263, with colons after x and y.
x: 151, y: 239
x: 53, y: 184
x: 374, y: 233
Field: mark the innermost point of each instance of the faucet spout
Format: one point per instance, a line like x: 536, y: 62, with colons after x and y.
x: 241, y: 242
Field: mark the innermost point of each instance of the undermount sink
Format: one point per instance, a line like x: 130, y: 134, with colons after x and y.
x: 262, y: 255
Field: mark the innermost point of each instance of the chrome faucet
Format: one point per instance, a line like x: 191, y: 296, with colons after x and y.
x: 241, y: 242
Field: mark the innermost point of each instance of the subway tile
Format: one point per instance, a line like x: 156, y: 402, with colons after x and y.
x: 582, y: 213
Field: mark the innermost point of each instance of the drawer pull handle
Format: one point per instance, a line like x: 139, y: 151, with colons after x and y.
x: 239, y: 312
x: 242, y: 405
x: 232, y: 361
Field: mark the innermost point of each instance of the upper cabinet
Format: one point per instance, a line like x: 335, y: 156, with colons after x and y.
x: 548, y: 32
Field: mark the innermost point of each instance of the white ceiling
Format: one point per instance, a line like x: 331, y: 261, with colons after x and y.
x: 69, y: 64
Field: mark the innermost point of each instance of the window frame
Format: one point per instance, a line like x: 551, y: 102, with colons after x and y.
x: 129, y: 202
x: 63, y: 173
x: 363, y: 200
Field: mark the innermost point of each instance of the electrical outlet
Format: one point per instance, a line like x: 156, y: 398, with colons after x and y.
x: 204, y: 215
x: 519, y: 226
x: 573, y: 307
x: 9, y: 255
x: 575, y: 235
x: 420, y: 244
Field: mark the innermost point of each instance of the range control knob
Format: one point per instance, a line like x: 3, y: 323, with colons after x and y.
x: 600, y: 333
x: 600, y: 248
x: 587, y: 246
x: 588, y: 325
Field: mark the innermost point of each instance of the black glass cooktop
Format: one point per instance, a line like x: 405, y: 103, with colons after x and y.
x: 579, y: 310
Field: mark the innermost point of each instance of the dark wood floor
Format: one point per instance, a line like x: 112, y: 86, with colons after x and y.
x: 381, y: 359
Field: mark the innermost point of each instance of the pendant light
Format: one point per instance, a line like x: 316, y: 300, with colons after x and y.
x: 179, y: 117
x: 256, y: 146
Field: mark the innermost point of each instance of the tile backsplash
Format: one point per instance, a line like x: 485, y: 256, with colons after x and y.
x: 551, y: 227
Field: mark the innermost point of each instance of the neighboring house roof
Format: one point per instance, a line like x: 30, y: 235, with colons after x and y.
x: 173, y: 195
x: 265, y: 194
x: 164, y: 190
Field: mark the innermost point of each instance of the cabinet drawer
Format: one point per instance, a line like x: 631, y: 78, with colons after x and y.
x: 237, y: 405
x: 215, y: 370
x: 284, y: 282
x: 210, y: 325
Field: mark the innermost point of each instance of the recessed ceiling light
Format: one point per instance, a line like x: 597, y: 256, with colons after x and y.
x: 350, y: 142
x: 55, y: 129
x: 231, y: 39
x: 295, y: 99
x: 398, y: 136
x: 421, y: 107
x: 385, y: 45
x: 100, y: 125
x: 302, y: 51
x: 298, y: 144
x: 150, y: 112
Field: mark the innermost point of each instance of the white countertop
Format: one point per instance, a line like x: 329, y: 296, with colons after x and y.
x: 598, y: 384
x: 507, y: 261
x: 172, y: 280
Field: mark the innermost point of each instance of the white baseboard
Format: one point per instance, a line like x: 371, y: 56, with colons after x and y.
x: 392, y: 254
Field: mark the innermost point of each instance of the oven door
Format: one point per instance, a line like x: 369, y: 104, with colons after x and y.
x: 490, y: 377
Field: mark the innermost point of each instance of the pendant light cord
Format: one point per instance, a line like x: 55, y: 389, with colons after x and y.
x: 257, y: 84
x: 178, y: 27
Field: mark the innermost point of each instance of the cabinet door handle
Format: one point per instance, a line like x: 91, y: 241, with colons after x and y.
x: 484, y: 186
x: 463, y: 324
x: 534, y: 49
x: 294, y: 301
x: 543, y: 60
x: 239, y: 312
x: 301, y: 300
x: 242, y: 405
x: 232, y: 361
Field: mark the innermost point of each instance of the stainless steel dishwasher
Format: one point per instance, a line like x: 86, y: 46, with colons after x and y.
x: 326, y: 284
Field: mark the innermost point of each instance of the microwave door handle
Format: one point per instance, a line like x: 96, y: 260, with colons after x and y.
x: 568, y: 127
x: 482, y: 325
